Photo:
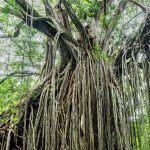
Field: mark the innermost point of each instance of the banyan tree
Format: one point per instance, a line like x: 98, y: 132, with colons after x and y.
x: 92, y: 94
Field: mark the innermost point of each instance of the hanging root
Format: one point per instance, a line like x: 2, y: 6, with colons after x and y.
x: 79, y: 109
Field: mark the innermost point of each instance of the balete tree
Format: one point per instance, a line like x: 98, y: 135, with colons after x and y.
x: 93, y: 92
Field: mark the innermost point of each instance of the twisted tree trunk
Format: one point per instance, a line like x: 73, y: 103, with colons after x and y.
x: 76, y: 105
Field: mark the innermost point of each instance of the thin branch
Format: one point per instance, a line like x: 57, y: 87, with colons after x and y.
x: 18, y: 74
x: 105, y: 6
x: 120, y: 8
x: 48, y: 8
x: 139, y: 5
x: 136, y: 15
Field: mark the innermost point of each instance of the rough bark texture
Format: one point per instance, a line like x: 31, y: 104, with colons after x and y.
x: 79, y: 104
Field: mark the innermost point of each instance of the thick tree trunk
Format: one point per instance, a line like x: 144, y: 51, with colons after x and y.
x: 78, y: 104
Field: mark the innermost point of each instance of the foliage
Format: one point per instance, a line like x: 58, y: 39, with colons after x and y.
x: 85, y: 8
x: 11, y: 92
x: 26, y: 55
x: 99, y: 54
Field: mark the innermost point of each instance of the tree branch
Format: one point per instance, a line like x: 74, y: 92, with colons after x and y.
x: 48, y: 8
x: 45, y: 25
x: 120, y: 8
x: 142, y: 39
x: 18, y: 74
x: 139, y: 5
x: 77, y: 23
